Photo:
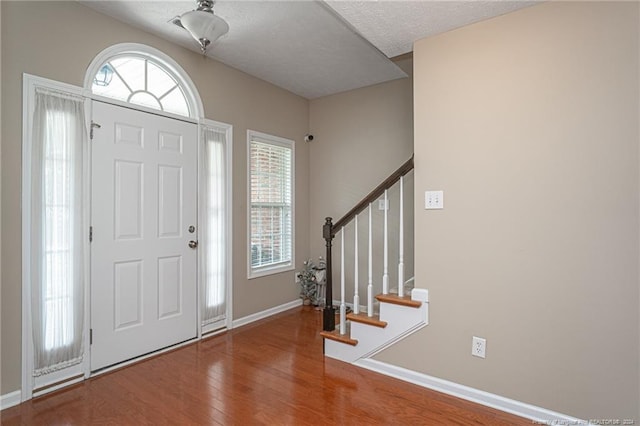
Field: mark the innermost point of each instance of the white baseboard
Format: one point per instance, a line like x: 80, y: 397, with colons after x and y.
x: 537, y: 414
x: 10, y: 399
x: 266, y: 313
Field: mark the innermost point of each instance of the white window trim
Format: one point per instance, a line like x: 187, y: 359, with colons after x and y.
x: 287, y: 143
x: 80, y: 371
x: 228, y: 129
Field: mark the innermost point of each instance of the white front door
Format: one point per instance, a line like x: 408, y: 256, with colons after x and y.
x: 143, y: 216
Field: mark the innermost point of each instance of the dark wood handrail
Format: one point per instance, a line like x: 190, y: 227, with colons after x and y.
x: 373, y: 195
x: 329, y: 230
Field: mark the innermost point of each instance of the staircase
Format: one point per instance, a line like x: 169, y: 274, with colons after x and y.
x: 366, y: 336
x: 360, y: 335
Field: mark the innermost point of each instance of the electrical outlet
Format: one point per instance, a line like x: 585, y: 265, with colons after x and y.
x: 478, y: 347
x: 383, y: 204
x: 297, y: 278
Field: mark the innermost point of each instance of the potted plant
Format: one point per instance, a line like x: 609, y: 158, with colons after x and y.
x: 308, y: 283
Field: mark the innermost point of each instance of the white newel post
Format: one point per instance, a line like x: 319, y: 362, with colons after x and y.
x: 356, y: 297
x: 401, y: 239
x: 370, y: 272
x: 385, y: 273
x: 343, y: 307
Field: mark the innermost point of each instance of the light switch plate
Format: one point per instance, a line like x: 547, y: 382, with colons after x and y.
x: 433, y: 200
x: 383, y: 204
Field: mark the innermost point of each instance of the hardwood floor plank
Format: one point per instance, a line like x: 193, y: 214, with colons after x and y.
x: 267, y: 373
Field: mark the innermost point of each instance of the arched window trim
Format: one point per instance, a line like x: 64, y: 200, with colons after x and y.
x: 196, y: 109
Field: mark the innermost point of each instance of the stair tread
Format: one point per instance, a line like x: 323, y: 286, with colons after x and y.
x: 335, y: 335
x: 397, y: 300
x: 364, y: 318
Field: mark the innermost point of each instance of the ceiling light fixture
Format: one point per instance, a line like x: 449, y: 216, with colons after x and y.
x: 202, y: 24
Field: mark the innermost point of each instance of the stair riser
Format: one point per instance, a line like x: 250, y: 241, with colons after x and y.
x: 390, y: 312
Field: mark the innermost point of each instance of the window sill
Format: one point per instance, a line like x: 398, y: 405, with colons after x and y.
x: 269, y: 271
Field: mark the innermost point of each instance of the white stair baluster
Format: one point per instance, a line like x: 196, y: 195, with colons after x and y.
x: 385, y: 273
x: 343, y: 307
x: 356, y: 297
x: 370, y: 265
x: 401, y: 239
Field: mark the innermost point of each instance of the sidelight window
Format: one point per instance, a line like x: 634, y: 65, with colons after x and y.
x: 214, y: 227
x: 57, y: 253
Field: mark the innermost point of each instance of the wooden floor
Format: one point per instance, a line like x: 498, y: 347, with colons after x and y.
x: 270, y: 372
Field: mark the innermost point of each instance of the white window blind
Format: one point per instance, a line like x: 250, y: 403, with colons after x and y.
x: 271, y: 200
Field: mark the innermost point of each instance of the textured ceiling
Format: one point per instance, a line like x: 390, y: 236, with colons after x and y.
x: 312, y: 48
x: 300, y: 46
x: 393, y: 26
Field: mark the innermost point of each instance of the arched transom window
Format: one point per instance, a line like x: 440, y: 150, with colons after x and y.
x: 141, y: 81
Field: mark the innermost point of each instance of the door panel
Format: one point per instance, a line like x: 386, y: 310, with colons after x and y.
x: 169, y: 286
x: 170, y: 201
x: 143, y: 273
x: 127, y: 202
x: 127, y: 288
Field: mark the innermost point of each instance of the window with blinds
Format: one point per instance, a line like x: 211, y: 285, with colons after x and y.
x: 271, y: 204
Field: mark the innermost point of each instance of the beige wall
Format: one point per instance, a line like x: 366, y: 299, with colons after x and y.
x: 361, y: 137
x: 529, y: 123
x: 1, y: 329
x: 58, y: 40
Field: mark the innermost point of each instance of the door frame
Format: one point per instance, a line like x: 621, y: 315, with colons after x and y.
x: 72, y: 375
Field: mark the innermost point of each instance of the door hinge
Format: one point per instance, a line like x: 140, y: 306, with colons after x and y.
x: 94, y: 125
x: 91, y: 336
x: 90, y: 233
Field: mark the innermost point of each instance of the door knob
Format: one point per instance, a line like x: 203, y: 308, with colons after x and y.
x: 193, y: 244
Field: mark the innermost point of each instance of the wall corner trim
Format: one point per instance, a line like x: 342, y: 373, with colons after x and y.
x: 266, y: 313
x: 498, y: 402
x: 10, y: 399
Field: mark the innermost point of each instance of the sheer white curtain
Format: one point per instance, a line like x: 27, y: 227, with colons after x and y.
x: 57, y: 254
x: 214, y: 227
